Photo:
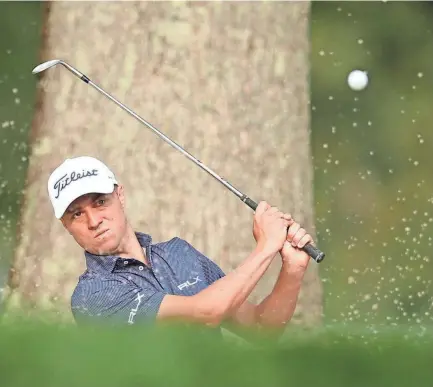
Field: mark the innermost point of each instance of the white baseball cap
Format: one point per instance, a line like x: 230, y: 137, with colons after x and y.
x: 76, y: 177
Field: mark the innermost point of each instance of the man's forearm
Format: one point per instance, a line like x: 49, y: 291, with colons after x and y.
x: 231, y: 291
x: 278, y: 308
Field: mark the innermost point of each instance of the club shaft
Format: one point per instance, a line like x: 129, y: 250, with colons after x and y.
x: 238, y: 193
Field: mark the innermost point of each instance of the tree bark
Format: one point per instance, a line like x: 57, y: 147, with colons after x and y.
x: 227, y: 81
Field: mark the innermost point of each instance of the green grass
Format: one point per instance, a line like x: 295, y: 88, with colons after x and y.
x: 49, y: 355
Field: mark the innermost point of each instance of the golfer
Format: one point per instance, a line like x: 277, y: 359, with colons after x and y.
x: 129, y: 279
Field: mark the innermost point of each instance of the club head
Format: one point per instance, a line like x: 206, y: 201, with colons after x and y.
x: 46, y: 65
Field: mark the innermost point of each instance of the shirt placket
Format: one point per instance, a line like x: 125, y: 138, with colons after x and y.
x: 151, y: 267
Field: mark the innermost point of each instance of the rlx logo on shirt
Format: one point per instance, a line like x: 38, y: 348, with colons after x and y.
x: 189, y: 283
x: 135, y: 310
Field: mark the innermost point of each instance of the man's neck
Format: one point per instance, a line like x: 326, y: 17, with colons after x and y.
x: 130, y: 247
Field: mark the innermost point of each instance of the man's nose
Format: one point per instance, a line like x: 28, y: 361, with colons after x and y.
x: 93, y: 220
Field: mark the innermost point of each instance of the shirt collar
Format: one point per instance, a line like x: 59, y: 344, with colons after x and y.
x: 100, y: 263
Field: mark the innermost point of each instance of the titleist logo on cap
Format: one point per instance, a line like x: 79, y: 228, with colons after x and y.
x: 65, y: 180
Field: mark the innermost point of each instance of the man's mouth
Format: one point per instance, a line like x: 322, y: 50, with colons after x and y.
x: 101, y: 233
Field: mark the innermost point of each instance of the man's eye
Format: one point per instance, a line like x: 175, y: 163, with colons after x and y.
x: 101, y: 202
x: 76, y: 214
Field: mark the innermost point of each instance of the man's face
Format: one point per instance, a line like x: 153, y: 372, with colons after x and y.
x: 97, y: 221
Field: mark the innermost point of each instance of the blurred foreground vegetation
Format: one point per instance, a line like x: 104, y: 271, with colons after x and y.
x: 172, y: 356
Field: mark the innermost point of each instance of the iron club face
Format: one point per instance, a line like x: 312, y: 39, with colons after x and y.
x: 51, y: 63
x: 46, y: 65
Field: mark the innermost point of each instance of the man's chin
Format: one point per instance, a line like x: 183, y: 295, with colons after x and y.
x: 105, y: 247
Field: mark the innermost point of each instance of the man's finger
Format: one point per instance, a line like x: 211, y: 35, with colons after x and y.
x: 293, y: 229
x: 304, y: 241
x: 288, y: 217
x: 298, y: 236
x: 262, y: 207
x: 272, y: 210
x: 285, y: 223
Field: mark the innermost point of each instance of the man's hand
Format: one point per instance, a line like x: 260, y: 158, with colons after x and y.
x: 269, y: 228
x: 292, y: 254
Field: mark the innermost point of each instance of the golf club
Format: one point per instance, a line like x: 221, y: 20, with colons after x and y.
x: 311, y: 250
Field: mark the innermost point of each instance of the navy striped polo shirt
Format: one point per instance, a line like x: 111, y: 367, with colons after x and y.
x: 119, y: 290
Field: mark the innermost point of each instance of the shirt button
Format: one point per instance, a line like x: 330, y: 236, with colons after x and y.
x: 140, y: 268
x: 125, y: 262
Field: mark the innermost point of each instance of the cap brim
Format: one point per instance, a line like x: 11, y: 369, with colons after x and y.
x: 103, y: 186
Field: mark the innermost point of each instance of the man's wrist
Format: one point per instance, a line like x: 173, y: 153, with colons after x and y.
x: 294, y: 269
x: 264, y: 251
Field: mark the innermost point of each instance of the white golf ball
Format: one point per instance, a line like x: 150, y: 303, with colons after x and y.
x: 357, y: 80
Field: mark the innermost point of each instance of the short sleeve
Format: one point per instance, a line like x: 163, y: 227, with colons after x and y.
x: 212, y: 271
x: 114, y: 301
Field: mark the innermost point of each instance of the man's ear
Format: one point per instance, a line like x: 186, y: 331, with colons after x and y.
x: 121, y: 194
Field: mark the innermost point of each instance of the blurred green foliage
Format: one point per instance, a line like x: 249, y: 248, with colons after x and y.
x: 174, y: 356
x: 20, y: 40
x: 372, y: 159
x: 373, y: 198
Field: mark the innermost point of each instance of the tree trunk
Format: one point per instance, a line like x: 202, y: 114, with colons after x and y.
x: 228, y: 82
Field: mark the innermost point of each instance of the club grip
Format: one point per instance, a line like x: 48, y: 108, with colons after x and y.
x: 314, y: 252
x: 250, y: 203
x: 311, y: 250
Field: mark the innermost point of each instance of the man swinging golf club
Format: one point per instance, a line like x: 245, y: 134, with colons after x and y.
x: 129, y: 279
